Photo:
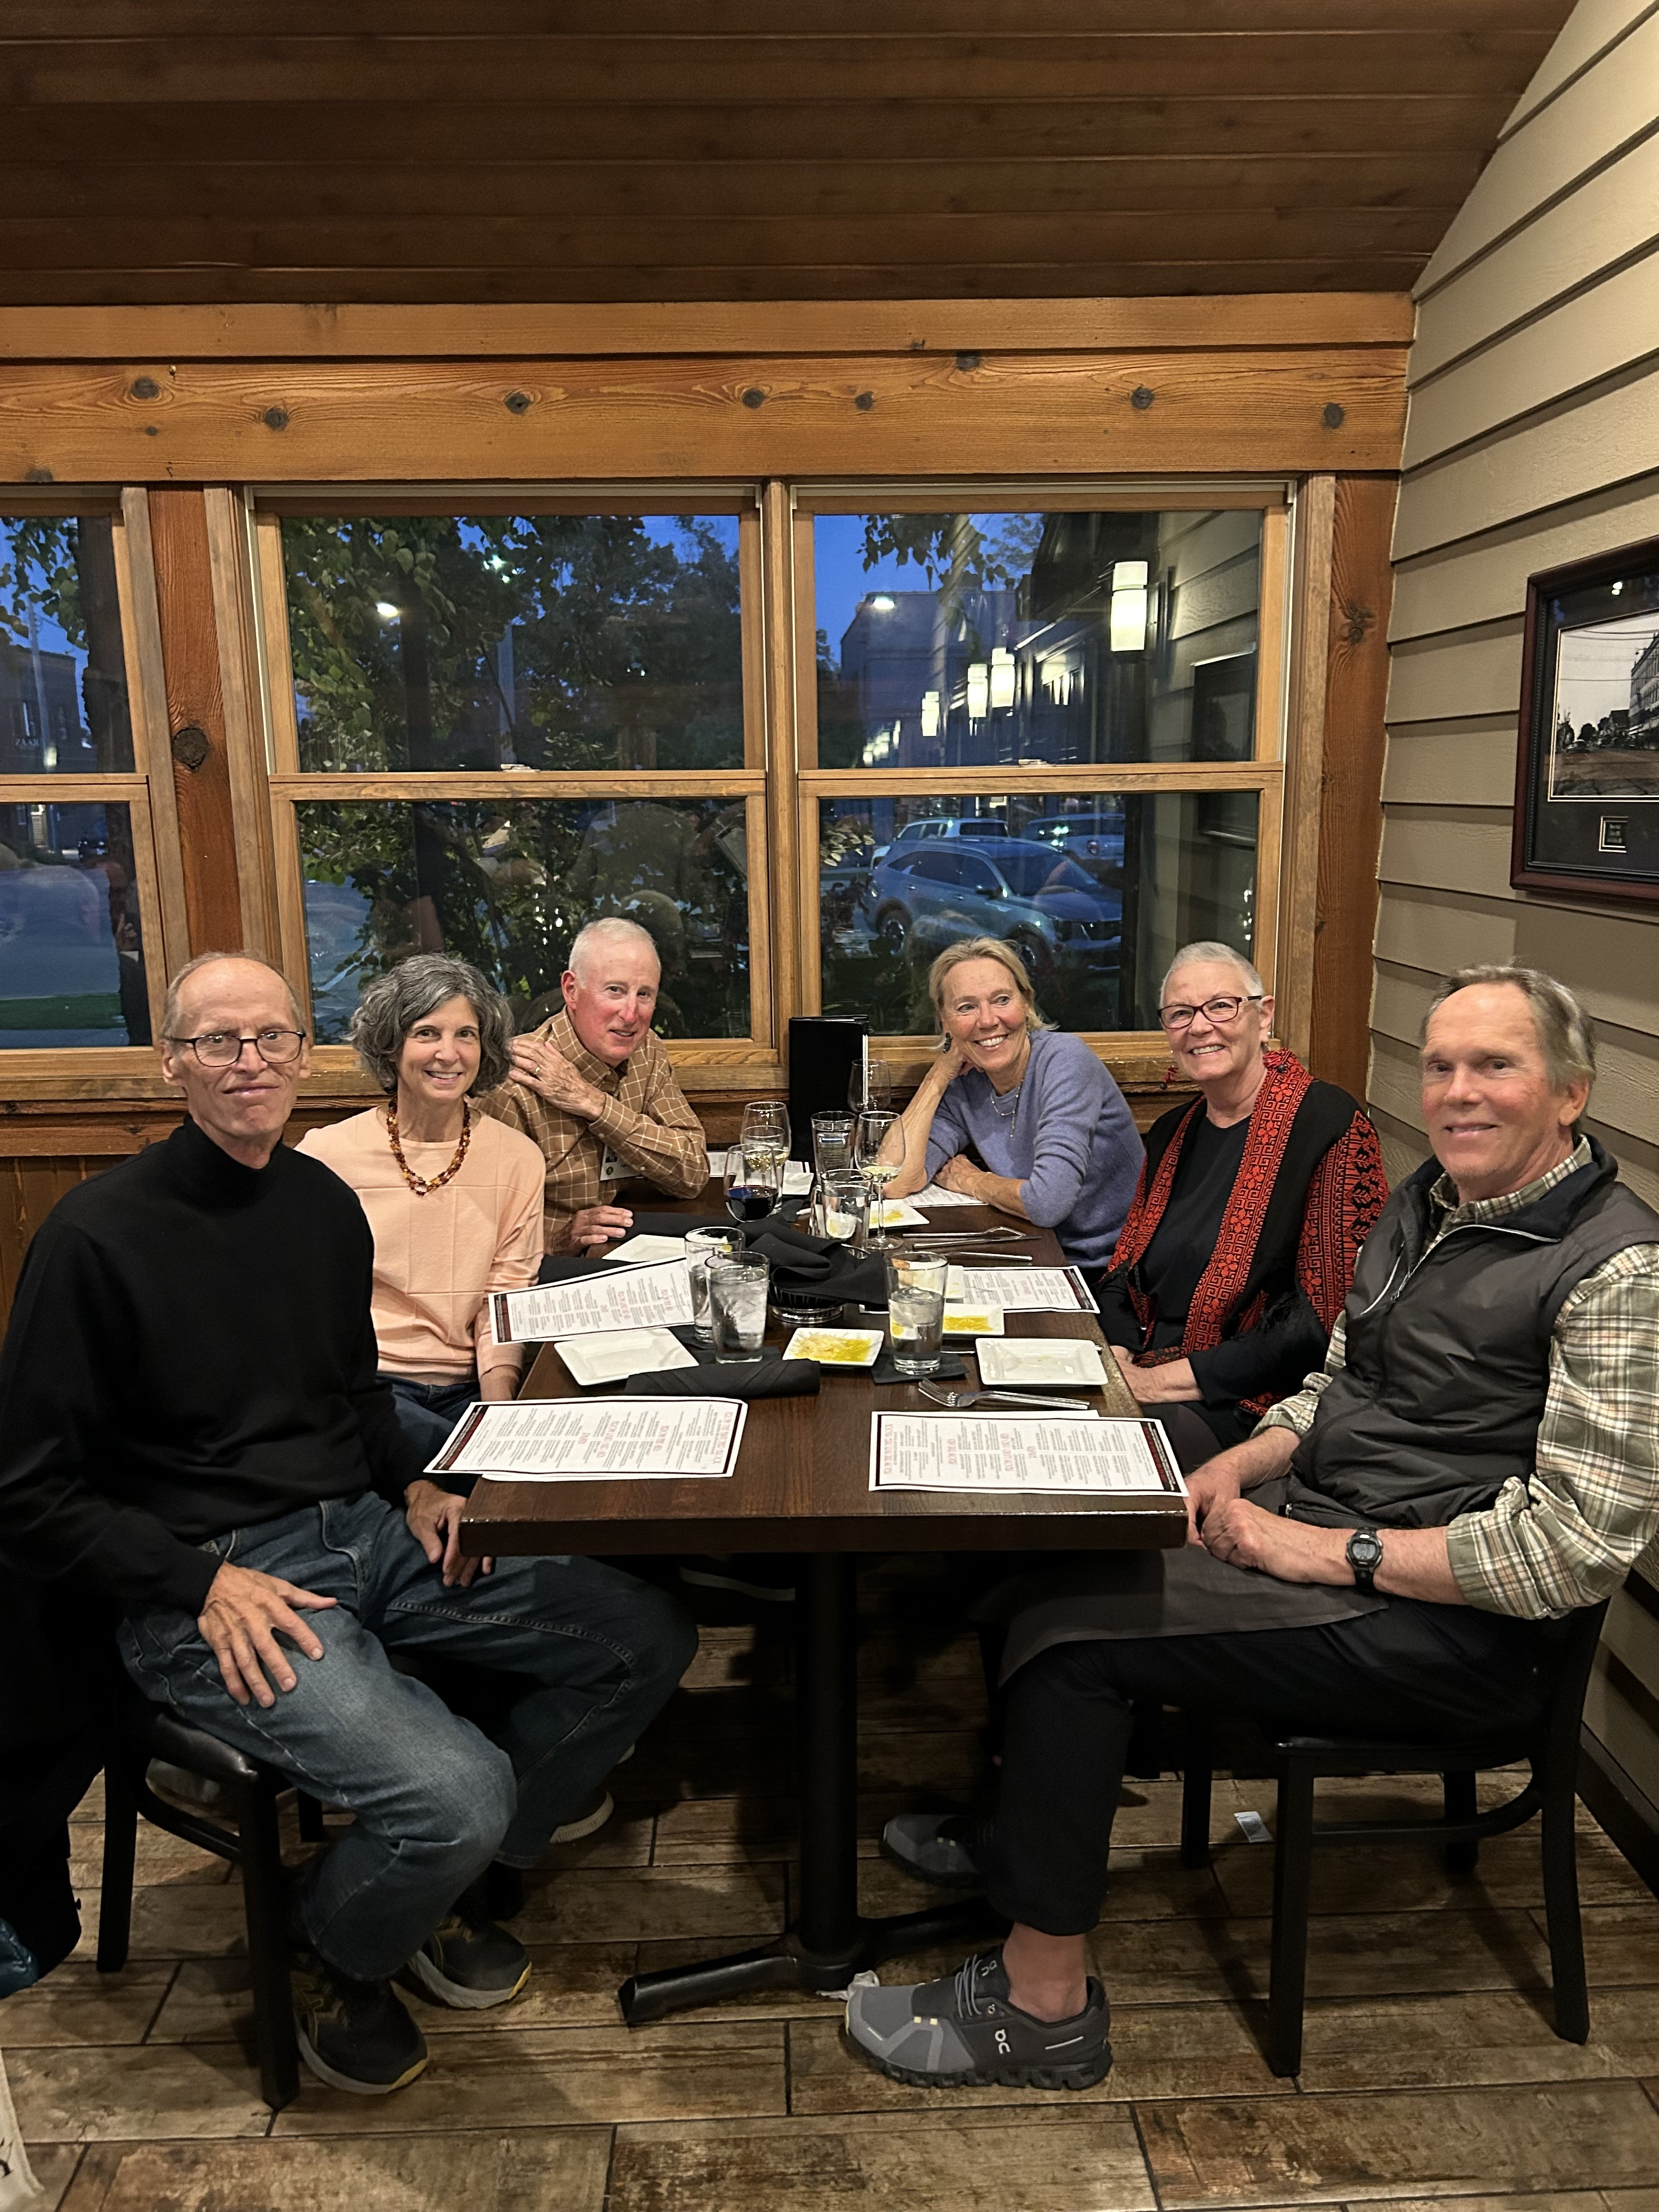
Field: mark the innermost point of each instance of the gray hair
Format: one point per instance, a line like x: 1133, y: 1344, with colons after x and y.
x: 985, y: 948
x: 406, y: 994
x: 609, y: 929
x: 175, y: 988
x: 1566, y: 1036
x: 1210, y: 948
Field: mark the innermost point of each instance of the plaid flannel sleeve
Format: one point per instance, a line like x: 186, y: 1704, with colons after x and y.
x: 1569, y: 1536
x: 1297, y: 1413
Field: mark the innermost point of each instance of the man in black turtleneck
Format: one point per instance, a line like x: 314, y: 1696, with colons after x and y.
x: 192, y: 1428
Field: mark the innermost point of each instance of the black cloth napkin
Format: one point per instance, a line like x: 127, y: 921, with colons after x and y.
x: 950, y: 1369
x: 768, y: 1377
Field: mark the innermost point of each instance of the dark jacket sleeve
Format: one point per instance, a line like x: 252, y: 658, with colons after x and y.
x: 394, y: 1459
x: 69, y: 1338
x: 1274, y: 1358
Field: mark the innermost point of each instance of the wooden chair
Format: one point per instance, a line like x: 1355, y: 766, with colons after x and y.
x: 1550, y: 1748
x: 251, y: 1841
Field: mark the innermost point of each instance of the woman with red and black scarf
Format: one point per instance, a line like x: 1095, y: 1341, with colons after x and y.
x: 1253, y: 1201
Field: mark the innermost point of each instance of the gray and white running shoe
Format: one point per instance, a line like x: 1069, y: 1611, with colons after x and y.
x: 937, y: 1846
x: 963, y: 2033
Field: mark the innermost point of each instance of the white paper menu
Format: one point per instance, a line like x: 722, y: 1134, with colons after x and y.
x: 1021, y: 1290
x: 1042, y: 1451
x: 651, y: 1296
x: 567, y: 1440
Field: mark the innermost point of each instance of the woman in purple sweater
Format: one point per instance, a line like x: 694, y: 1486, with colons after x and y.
x: 1057, y: 1141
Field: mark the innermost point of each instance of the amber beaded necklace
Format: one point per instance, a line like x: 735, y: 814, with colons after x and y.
x: 423, y: 1186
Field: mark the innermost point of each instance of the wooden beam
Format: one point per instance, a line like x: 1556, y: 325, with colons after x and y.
x: 275, y: 332
x: 196, y: 718
x: 551, y: 421
x: 1351, y: 802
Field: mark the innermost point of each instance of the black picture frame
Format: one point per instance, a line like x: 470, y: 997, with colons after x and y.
x: 1587, y: 767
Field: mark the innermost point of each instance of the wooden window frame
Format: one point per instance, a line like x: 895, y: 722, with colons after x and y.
x: 710, y: 1063
x: 1284, y: 923
x: 41, y: 1073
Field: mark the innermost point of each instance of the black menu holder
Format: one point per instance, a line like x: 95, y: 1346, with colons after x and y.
x: 824, y: 1049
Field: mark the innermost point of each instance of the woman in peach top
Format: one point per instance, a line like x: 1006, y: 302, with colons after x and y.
x: 454, y: 1196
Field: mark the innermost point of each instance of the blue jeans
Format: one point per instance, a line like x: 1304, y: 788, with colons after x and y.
x: 435, y: 1801
x: 429, y: 1411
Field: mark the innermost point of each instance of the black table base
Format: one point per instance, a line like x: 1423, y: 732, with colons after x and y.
x: 830, y: 1940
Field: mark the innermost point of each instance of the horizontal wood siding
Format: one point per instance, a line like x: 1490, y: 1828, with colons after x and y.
x: 1531, y: 440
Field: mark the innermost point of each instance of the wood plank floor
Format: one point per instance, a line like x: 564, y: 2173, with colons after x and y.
x: 1431, y: 2075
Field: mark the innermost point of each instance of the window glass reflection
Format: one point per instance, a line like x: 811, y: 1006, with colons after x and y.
x: 62, y: 670
x: 1094, y: 891
x: 508, y: 886
x: 973, y: 641
x: 71, y: 952
x: 529, y: 642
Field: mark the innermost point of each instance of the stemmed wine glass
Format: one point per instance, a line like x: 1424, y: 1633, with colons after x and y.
x: 753, y: 1182
x: 879, y: 1150
x: 870, y: 1084
x: 766, y: 1129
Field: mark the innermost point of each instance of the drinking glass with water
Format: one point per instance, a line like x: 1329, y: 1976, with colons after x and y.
x: 915, y: 1312
x: 737, y: 1306
x: 702, y: 1245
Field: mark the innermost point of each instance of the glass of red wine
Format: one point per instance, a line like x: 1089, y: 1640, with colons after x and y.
x: 753, y: 1182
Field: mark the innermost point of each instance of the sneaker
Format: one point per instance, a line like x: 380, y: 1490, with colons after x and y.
x: 592, y: 1818
x: 470, y: 1963
x: 759, y: 1575
x: 354, y: 2035
x: 963, y: 2033
x: 937, y: 1846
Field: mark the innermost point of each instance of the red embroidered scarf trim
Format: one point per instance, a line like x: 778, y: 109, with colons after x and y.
x: 1221, y: 1285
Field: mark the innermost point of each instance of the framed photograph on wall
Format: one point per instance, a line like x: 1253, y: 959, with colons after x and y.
x: 1587, y: 769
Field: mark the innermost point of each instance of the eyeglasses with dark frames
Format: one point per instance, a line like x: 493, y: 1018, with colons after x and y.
x: 219, y: 1048
x: 1217, y: 1011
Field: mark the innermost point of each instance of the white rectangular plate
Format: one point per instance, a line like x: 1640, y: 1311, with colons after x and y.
x: 836, y: 1347
x: 641, y: 1251
x: 1008, y: 1362
x: 973, y: 1321
x: 897, y: 1213
x: 618, y: 1352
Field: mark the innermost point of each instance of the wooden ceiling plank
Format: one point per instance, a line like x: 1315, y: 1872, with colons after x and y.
x: 315, y: 422
x: 798, y: 326
x: 758, y: 244
x: 792, y: 71
x: 237, y: 130
x: 1390, y: 273
x: 46, y: 19
x: 817, y: 189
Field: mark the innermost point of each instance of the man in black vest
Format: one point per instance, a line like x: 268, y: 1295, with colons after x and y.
x: 1478, y: 1457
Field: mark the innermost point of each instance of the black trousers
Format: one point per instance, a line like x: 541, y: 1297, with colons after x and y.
x: 1412, y: 1670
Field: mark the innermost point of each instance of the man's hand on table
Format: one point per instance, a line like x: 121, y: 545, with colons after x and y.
x: 1171, y: 1383
x: 539, y: 1066
x: 434, y: 1521
x: 243, y: 1612
x: 592, y: 1228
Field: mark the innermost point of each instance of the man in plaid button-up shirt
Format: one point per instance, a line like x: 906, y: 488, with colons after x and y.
x: 595, y: 1089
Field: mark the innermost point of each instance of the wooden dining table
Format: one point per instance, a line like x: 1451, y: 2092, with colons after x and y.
x: 802, y: 1485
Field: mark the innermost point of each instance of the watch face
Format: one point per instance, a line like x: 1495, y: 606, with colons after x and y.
x: 1364, y: 1549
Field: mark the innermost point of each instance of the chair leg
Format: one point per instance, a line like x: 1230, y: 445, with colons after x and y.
x: 310, y: 1814
x: 264, y: 1897
x: 1561, y: 1916
x: 1197, y: 1755
x: 1293, y: 1846
x: 120, y: 1847
x: 1461, y: 1804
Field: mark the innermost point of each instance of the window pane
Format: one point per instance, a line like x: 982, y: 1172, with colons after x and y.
x: 971, y: 640
x: 508, y: 886
x: 537, y: 640
x: 71, y: 954
x: 1095, y: 892
x: 62, y: 671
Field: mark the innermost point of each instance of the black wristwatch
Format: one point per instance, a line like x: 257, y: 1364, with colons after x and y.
x: 1365, y: 1556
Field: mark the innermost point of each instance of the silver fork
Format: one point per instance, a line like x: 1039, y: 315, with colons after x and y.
x: 958, y: 1401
